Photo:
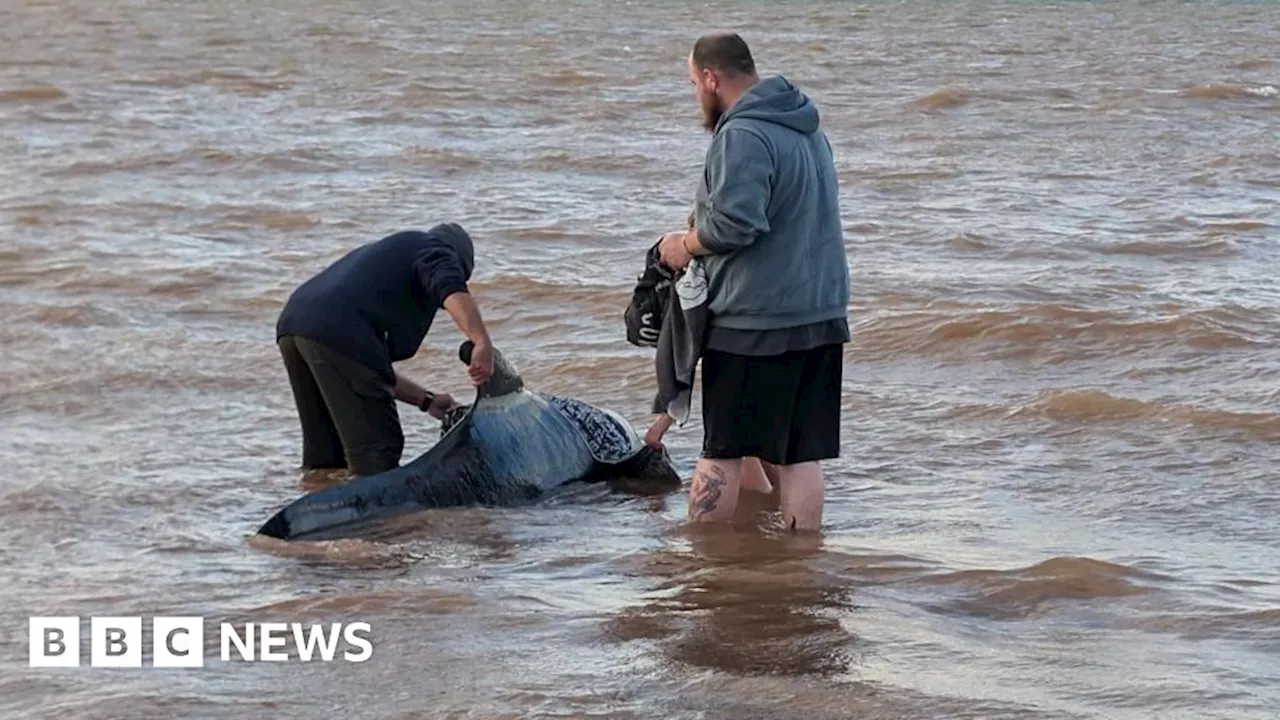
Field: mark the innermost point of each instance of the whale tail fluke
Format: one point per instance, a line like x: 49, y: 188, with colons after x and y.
x: 505, y: 378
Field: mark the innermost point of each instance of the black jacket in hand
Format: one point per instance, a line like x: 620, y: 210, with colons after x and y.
x: 675, y: 323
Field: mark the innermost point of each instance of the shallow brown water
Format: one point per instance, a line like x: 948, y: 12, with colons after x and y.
x: 1058, y: 496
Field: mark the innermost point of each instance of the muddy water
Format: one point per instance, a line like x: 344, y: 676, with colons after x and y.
x: 1058, y: 494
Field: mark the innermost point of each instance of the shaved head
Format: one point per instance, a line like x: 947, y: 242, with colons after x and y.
x: 725, y: 53
x: 720, y: 69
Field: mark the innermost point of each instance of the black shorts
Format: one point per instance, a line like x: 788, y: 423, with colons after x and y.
x: 783, y: 409
x: 347, y: 410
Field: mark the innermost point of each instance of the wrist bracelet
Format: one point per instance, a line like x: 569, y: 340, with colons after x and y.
x: 428, y: 399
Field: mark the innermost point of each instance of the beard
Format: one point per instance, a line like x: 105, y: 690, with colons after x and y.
x: 712, y: 111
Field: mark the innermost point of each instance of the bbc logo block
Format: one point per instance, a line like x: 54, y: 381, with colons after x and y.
x: 55, y: 641
x: 116, y: 642
x: 178, y: 642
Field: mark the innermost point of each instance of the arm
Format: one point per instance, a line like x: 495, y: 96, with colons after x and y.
x: 653, y: 436
x: 692, y: 245
x: 690, y: 241
x: 462, y: 308
x: 738, y: 179
x: 466, y: 315
x: 435, y: 404
x: 408, y: 391
x: 442, y: 274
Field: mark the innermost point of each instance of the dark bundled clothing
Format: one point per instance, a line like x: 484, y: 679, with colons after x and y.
x: 644, y: 314
x: 376, y: 304
x: 679, y: 301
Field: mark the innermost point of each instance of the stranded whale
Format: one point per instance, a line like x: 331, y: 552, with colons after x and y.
x: 508, y: 447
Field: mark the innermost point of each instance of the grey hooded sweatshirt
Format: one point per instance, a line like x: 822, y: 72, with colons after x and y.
x: 768, y: 212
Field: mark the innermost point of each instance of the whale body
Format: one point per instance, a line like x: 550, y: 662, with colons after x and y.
x: 509, y: 447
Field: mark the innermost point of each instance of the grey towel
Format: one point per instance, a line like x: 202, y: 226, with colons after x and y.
x: 680, y: 343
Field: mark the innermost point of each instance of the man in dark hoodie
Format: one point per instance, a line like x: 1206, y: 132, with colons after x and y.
x: 341, y: 330
x: 767, y: 229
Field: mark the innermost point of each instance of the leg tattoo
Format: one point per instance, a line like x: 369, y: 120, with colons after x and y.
x: 705, y: 492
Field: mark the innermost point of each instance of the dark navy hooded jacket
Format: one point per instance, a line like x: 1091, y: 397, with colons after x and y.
x: 376, y: 303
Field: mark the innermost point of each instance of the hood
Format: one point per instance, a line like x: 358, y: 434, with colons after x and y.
x: 460, y: 241
x: 775, y: 100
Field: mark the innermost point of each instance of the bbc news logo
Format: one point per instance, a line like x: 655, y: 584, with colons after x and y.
x: 178, y: 642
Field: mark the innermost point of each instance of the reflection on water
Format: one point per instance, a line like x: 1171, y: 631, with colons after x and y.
x: 744, y: 603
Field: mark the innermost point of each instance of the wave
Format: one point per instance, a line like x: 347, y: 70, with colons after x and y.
x: 526, y: 288
x: 67, y: 314
x: 1226, y: 91
x: 1236, y: 226
x: 439, y: 158
x: 1229, y: 624
x: 573, y: 78
x: 1209, y: 247
x: 1037, y: 589
x: 1094, y: 406
x: 34, y: 93
x: 426, y: 601
x: 1252, y: 64
x: 944, y: 99
x: 611, y: 163
x: 1041, y: 328
x: 73, y: 394
x: 211, y: 159
x: 266, y: 218
x: 241, y: 82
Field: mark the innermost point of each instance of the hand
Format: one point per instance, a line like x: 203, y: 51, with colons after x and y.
x: 653, y: 438
x: 481, y: 367
x: 672, y: 252
x: 442, y: 404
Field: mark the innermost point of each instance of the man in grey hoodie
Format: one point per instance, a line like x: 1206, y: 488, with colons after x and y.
x: 767, y: 229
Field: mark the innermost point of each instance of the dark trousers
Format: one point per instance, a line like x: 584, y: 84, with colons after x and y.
x: 783, y: 409
x: 347, y: 409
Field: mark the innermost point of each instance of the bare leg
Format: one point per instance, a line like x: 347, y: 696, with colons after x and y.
x: 754, y: 476
x: 761, y: 479
x: 713, y: 493
x: 803, y: 490
x: 771, y: 472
